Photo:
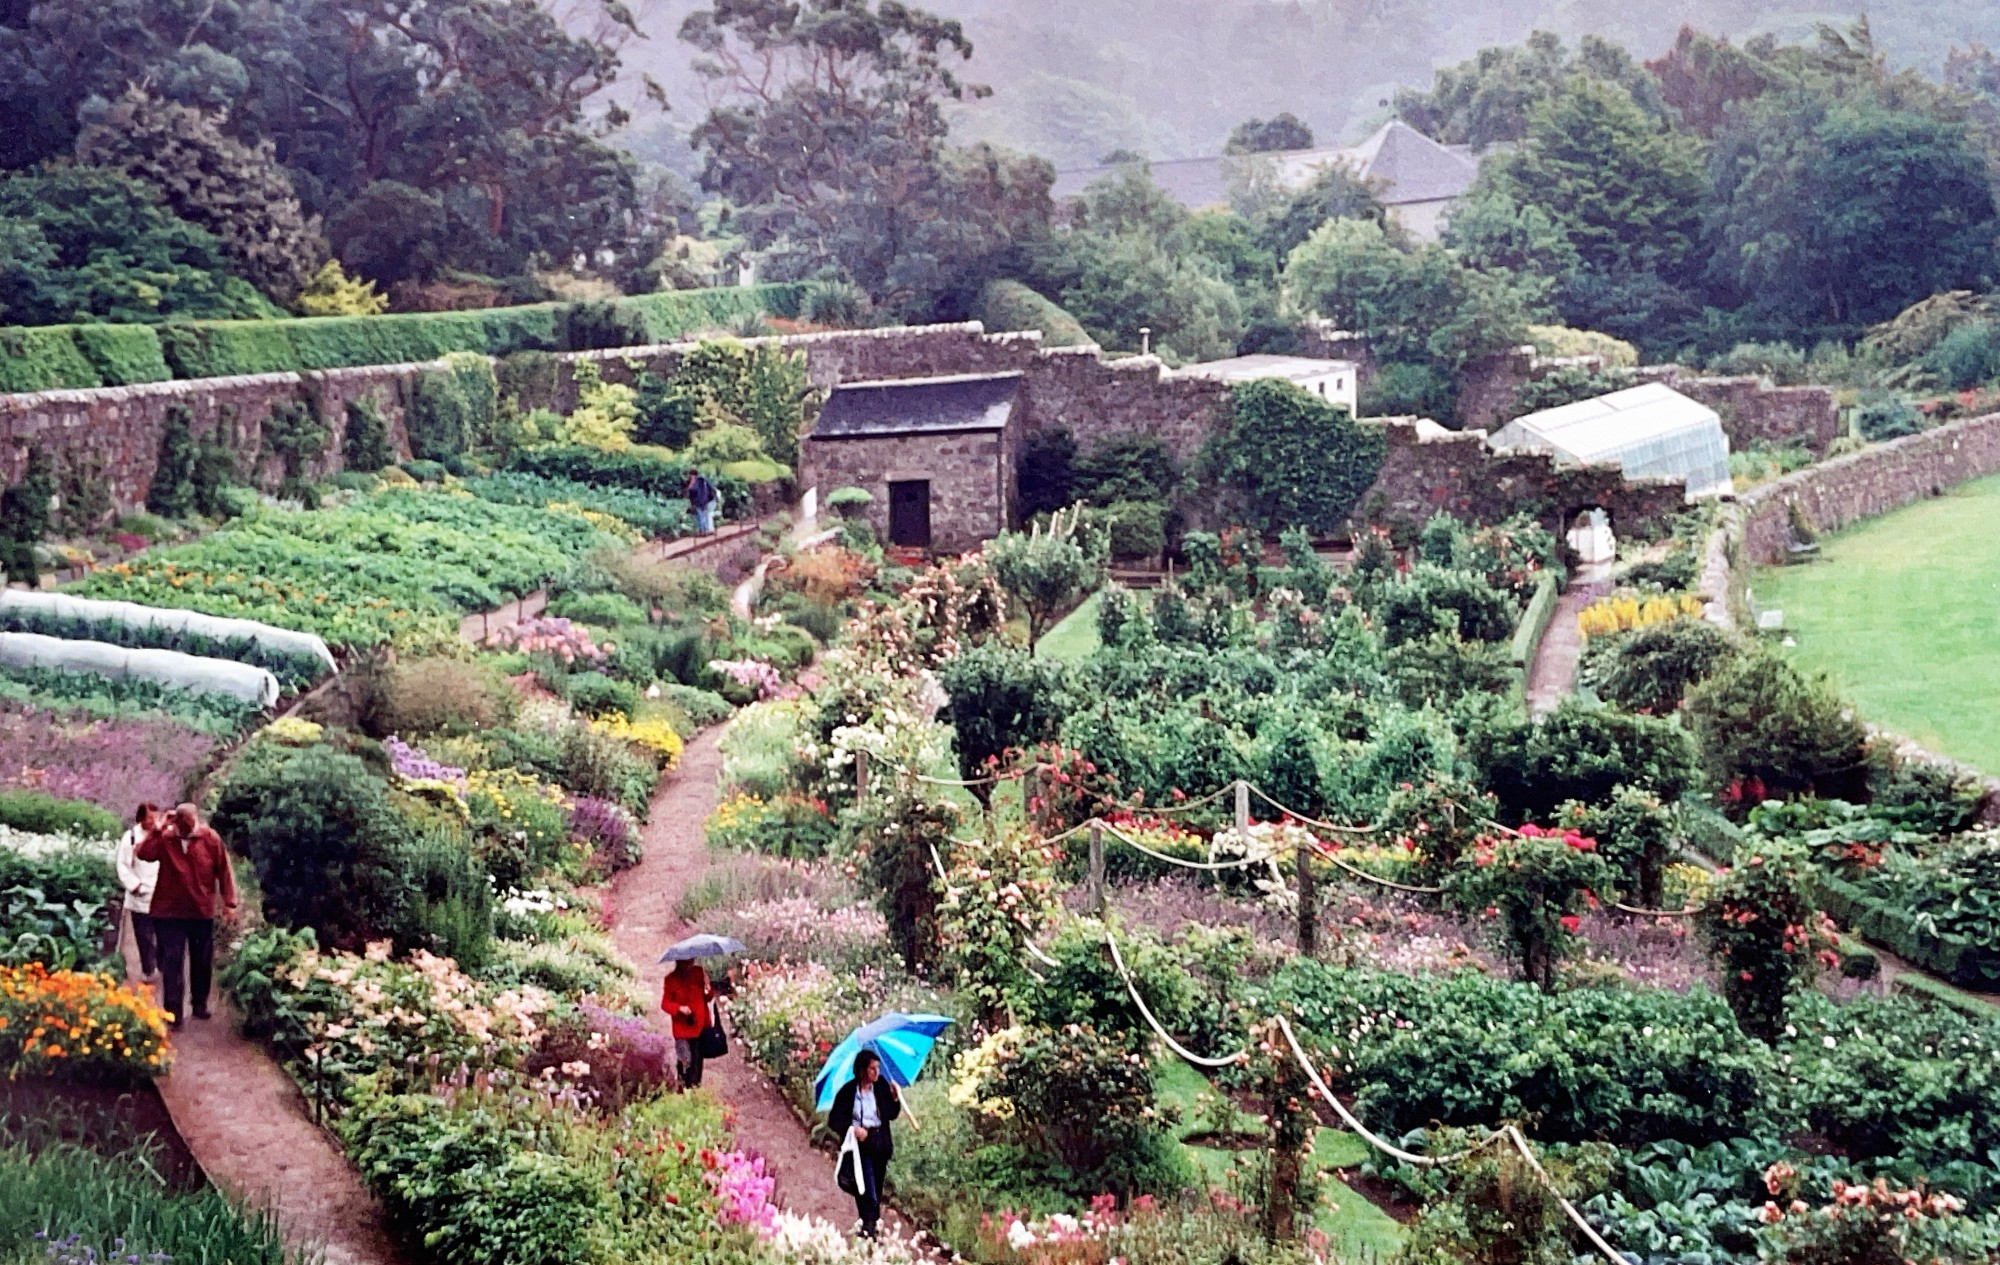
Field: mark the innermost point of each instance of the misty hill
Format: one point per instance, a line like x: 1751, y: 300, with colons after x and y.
x: 1074, y: 80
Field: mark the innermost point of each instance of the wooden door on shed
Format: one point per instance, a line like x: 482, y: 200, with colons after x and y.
x: 910, y: 514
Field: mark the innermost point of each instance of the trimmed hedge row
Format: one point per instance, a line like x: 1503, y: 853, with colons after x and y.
x: 54, y: 357
x: 1008, y: 306
x: 1534, y: 623
x: 1953, y: 958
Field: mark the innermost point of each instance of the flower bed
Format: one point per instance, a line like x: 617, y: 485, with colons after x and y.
x: 117, y: 763
x: 77, y: 1025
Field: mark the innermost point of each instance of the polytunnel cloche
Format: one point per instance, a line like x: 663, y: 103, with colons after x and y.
x: 1650, y: 431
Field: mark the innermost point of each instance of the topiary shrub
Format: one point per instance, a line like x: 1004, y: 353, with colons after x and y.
x: 1651, y: 669
x: 1006, y: 305
x: 317, y: 824
x: 850, y: 502
x: 1767, y: 731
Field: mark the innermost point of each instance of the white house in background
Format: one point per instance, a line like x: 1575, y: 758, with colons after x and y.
x: 1648, y: 431
x: 1416, y: 178
x: 1336, y: 381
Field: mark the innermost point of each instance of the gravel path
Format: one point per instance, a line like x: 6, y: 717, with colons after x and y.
x: 1552, y: 675
x: 248, y: 1127
x: 645, y: 918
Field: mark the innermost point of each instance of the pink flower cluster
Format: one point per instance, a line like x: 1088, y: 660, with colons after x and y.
x: 560, y: 638
x: 751, y: 674
x: 744, y: 1190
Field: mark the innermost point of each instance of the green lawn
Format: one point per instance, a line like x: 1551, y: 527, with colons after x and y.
x: 1075, y: 636
x: 1360, y: 1231
x: 1904, y: 612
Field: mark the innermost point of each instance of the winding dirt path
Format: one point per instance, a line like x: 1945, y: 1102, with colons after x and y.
x: 249, y: 1129
x: 645, y: 918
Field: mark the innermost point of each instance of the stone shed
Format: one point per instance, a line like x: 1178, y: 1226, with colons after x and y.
x: 936, y: 453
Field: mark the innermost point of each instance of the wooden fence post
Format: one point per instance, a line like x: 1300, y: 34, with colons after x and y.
x: 1097, y: 869
x: 1242, y: 807
x: 860, y: 776
x: 1308, y: 904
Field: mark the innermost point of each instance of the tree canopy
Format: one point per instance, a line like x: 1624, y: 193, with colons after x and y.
x: 828, y: 137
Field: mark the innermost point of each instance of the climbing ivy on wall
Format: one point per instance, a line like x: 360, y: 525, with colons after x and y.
x: 1299, y: 460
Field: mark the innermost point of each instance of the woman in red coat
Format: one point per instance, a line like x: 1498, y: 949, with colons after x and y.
x: 687, y: 999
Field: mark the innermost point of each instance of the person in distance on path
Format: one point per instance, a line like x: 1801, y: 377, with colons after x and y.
x: 686, y: 997
x: 194, y: 870
x: 138, y: 879
x: 701, y: 495
x: 864, y: 1108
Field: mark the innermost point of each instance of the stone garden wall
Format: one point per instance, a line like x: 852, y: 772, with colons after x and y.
x: 1861, y: 485
x: 1754, y: 414
x: 1458, y: 473
x: 1074, y: 388
x: 118, y: 429
x: 1070, y: 387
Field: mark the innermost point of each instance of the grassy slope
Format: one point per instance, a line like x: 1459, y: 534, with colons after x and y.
x: 1904, y: 612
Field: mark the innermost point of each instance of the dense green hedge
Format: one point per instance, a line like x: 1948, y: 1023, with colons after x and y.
x: 49, y: 357
x: 1955, y: 958
x: 1006, y: 306
x: 43, y: 359
x: 1534, y: 625
x: 122, y: 354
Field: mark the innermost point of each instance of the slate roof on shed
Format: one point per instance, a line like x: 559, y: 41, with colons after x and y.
x: 919, y: 406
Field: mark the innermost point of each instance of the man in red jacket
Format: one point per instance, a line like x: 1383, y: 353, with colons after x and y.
x: 194, y: 868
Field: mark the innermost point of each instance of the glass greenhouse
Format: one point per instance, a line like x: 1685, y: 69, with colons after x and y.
x: 1650, y: 431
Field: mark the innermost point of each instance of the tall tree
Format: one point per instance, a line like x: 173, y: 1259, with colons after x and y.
x: 83, y: 243
x: 1625, y: 189
x: 208, y: 178
x: 1834, y: 209
x: 1129, y: 257
x: 1273, y: 135
x: 488, y: 108
x: 1491, y: 98
x: 827, y: 131
x: 1418, y: 305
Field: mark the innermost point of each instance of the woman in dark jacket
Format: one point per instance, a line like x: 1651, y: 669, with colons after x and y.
x: 864, y: 1108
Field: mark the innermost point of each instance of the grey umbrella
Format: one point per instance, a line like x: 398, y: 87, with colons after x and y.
x: 702, y: 946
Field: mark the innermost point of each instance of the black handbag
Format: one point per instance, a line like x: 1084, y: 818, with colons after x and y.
x: 713, y: 1042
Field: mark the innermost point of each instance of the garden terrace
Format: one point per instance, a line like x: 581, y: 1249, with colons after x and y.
x: 1430, y: 841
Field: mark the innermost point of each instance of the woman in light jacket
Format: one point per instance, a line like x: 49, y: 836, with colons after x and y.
x: 864, y: 1108
x: 138, y: 879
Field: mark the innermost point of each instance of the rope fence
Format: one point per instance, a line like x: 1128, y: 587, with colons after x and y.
x: 1244, y: 788
x: 1508, y: 1134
